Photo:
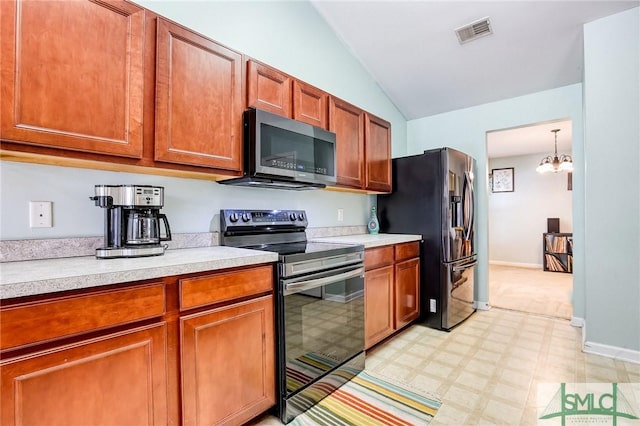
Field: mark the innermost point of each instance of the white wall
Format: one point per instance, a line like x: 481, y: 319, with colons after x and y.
x: 191, y: 205
x: 612, y: 204
x: 466, y: 130
x: 518, y: 219
x: 290, y: 36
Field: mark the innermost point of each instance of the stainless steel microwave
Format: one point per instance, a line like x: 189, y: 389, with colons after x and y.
x: 283, y: 153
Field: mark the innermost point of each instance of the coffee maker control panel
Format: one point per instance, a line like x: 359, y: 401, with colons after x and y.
x: 129, y: 196
x: 148, y: 196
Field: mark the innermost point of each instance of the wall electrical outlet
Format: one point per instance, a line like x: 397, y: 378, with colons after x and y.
x: 40, y: 215
x: 432, y: 305
x: 340, y: 215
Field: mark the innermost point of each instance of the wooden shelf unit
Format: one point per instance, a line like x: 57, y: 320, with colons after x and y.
x: 557, y: 252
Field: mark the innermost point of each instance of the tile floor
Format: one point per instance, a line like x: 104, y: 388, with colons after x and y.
x: 487, y: 370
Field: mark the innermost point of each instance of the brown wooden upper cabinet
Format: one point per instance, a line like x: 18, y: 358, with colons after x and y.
x: 199, y: 100
x: 347, y: 122
x: 277, y: 92
x: 310, y: 104
x: 377, y: 138
x: 88, y: 94
x: 268, y: 89
x: 70, y: 82
x: 363, y: 147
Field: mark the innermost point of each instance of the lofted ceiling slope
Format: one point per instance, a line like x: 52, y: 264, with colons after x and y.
x: 411, y: 49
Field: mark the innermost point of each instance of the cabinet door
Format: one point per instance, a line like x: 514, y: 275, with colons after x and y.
x: 120, y: 379
x: 72, y: 75
x: 268, y: 89
x: 378, y: 305
x: 347, y: 122
x: 309, y: 104
x: 199, y: 100
x: 407, y: 290
x: 377, y: 154
x: 228, y: 367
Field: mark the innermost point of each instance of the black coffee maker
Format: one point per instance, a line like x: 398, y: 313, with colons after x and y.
x: 132, y: 220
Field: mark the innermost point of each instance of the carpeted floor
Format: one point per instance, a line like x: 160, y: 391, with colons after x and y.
x: 531, y: 290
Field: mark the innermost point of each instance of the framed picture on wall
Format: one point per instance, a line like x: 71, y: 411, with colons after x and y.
x: 502, y: 180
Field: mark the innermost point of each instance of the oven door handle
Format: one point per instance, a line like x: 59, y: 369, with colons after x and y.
x: 293, y: 286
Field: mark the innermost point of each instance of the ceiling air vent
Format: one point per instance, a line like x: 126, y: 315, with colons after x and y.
x: 474, y: 30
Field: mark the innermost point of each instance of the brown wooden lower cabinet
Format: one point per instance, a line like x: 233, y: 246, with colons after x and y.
x: 379, y: 292
x: 228, y: 383
x: 118, y: 379
x: 160, y: 352
x: 407, y: 291
x: 391, y: 290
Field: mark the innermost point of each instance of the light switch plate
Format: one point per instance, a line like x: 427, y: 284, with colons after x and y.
x: 40, y: 215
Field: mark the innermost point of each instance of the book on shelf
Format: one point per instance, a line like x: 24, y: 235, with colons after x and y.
x: 556, y: 265
x: 558, y: 243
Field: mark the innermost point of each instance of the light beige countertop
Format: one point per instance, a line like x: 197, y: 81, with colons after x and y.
x: 369, y: 240
x: 27, y: 278
x: 32, y: 277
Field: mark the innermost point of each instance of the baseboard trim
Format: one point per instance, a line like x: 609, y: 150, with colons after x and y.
x: 482, y: 306
x: 615, y: 352
x: 515, y: 264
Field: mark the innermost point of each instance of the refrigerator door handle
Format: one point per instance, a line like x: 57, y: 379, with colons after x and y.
x: 465, y: 266
x: 472, y: 213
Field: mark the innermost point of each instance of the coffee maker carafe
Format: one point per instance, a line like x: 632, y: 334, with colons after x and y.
x: 132, y: 223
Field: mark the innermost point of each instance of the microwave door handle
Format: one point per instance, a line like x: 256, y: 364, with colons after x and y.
x: 465, y: 266
x: 293, y: 286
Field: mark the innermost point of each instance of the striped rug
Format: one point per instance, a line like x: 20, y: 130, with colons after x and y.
x: 367, y: 400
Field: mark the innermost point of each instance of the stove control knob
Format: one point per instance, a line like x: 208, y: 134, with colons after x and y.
x: 301, y: 216
x: 246, y: 217
x: 292, y: 217
x: 233, y: 217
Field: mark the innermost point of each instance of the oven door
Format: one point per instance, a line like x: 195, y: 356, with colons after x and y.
x: 323, y: 323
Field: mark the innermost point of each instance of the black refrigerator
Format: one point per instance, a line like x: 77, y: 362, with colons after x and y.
x: 433, y: 195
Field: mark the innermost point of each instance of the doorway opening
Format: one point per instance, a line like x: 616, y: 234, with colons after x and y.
x: 521, y: 201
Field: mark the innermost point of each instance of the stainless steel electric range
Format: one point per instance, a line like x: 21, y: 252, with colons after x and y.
x: 319, y: 304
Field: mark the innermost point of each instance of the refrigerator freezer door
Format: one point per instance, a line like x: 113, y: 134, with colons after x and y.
x: 459, y: 283
x: 457, y: 205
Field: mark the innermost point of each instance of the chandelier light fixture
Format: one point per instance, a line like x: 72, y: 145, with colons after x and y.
x: 555, y: 163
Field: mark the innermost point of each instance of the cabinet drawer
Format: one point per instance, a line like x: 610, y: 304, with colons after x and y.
x: 200, y: 291
x: 407, y: 250
x: 66, y: 316
x: 378, y: 257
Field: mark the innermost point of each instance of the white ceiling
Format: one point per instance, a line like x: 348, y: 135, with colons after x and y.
x: 411, y: 50
x: 530, y: 140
